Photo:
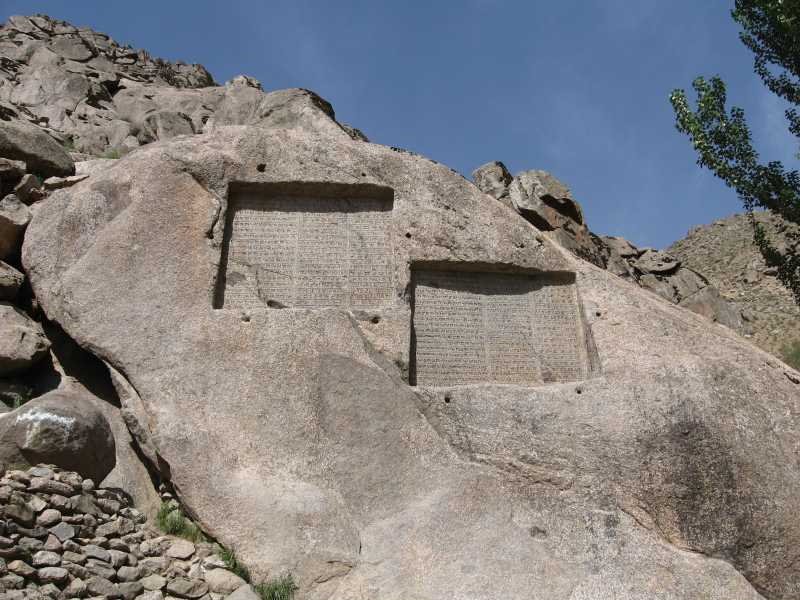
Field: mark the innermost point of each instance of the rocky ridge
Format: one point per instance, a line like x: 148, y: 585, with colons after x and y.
x: 548, y: 204
x: 724, y: 251
x: 61, y: 537
x: 99, y: 98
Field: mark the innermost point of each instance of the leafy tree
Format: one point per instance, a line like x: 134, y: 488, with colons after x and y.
x: 771, y: 30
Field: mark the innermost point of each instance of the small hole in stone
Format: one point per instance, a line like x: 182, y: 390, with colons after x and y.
x: 447, y: 399
x: 597, y: 313
x: 408, y: 235
x: 261, y: 167
x: 363, y: 174
x: 578, y: 390
x: 375, y: 320
x: 245, y: 318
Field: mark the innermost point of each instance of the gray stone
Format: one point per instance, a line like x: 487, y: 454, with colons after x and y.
x: 76, y: 589
x: 93, y: 551
x: 14, y: 218
x: 246, y: 592
x: 63, y: 532
x: 21, y: 568
x: 98, y: 586
x: 52, y: 544
x: 127, y: 573
x: 56, y: 183
x: 130, y: 589
x: 55, y: 575
x: 222, y: 581
x: 44, y: 558
x: 183, y: 587
x: 41, y: 153
x: 63, y: 428
x: 29, y: 189
x: 22, y: 341
x: 49, y: 486
x: 153, y: 582
x: 656, y: 261
x: 181, y: 549
x: 493, y: 178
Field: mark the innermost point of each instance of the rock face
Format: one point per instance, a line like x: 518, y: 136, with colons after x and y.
x: 548, y: 204
x: 352, y: 366
x: 725, y: 253
x: 97, y: 97
x: 63, y: 428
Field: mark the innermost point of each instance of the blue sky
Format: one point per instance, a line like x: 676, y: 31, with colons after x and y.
x: 577, y: 87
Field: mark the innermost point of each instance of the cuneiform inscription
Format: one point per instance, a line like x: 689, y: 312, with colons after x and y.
x: 492, y: 327
x: 308, y: 252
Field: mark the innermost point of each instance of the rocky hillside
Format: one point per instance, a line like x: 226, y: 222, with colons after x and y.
x: 725, y: 253
x: 100, y: 98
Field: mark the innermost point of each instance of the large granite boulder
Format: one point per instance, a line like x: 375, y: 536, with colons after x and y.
x: 22, y: 341
x: 62, y: 428
x: 352, y: 366
x: 25, y: 142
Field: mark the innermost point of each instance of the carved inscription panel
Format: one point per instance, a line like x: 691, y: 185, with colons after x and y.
x: 492, y: 327
x: 298, y: 251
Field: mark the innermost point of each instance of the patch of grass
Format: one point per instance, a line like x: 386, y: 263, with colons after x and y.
x: 68, y: 145
x: 791, y: 354
x: 111, y: 153
x: 282, y: 588
x: 171, y: 521
x: 233, y: 565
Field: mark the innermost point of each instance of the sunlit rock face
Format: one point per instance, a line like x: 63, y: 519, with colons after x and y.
x: 356, y: 367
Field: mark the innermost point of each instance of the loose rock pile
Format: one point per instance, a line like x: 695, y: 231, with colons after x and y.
x: 62, y: 538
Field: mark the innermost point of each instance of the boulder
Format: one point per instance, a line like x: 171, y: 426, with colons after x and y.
x: 493, y: 178
x: 62, y: 428
x: 10, y: 281
x: 41, y: 153
x: 302, y: 415
x: 22, y: 341
x: 656, y: 261
x: 544, y: 200
x: 11, y: 171
x: 29, y: 189
x: 14, y: 218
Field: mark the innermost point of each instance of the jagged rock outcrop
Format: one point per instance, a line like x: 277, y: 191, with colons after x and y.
x: 283, y: 416
x: 97, y: 97
x: 724, y: 251
x: 548, y: 204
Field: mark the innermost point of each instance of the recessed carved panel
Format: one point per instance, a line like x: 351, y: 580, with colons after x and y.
x: 474, y: 327
x: 287, y: 250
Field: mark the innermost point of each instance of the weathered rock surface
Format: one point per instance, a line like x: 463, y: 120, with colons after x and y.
x: 41, y: 153
x: 725, y: 253
x: 292, y: 435
x: 100, y: 98
x: 22, y: 341
x: 63, y: 428
x: 10, y: 281
x: 14, y: 218
x: 548, y: 204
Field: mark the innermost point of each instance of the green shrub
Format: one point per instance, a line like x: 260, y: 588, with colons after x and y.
x: 282, y: 588
x: 111, y: 153
x: 233, y: 565
x: 171, y: 521
x: 791, y: 354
